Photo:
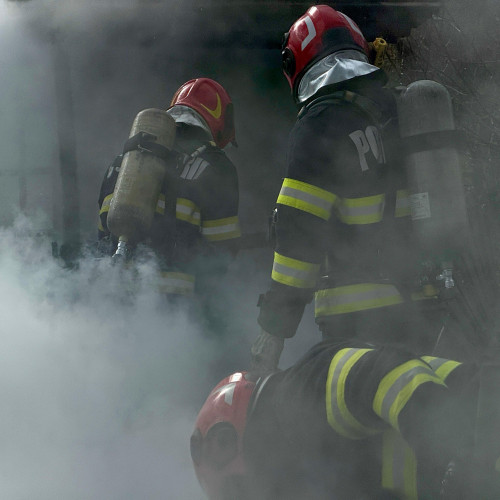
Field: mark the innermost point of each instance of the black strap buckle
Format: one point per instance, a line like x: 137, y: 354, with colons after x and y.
x: 145, y: 143
x: 139, y: 142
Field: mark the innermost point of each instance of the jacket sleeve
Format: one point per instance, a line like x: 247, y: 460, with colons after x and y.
x: 318, y: 151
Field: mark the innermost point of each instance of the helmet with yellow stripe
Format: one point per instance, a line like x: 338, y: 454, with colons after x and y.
x: 212, y: 102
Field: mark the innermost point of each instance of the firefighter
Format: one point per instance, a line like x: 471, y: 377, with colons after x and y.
x: 347, y: 421
x: 195, y: 231
x: 343, y: 231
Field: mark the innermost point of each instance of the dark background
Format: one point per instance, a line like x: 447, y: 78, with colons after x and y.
x: 100, y: 63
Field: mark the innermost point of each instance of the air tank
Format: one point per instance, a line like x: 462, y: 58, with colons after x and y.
x: 140, y: 179
x: 433, y: 166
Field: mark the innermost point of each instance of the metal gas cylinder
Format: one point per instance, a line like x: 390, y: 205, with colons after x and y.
x: 433, y: 166
x: 141, y: 175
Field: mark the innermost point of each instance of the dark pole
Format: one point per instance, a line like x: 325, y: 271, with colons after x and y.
x: 67, y: 148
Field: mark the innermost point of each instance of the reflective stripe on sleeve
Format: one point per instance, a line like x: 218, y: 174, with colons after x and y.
x: 293, y: 272
x: 365, y: 210
x: 352, y: 298
x: 187, y: 211
x: 397, y: 387
x: 105, y: 204
x: 306, y: 197
x: 339, y: 416
x: 176, y: 283
x: 399, y: 466
x: 160, y: 205
x: 442, y: 367
x: 402, y: 203
x: 221, y: 229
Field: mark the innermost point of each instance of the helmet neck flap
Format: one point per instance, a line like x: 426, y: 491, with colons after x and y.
x: 334, y: 68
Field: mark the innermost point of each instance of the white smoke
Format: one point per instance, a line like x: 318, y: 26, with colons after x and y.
x: 99, y: 392
x: 100, y: 388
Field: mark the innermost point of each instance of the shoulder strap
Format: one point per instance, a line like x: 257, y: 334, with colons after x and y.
x: 145, y: 143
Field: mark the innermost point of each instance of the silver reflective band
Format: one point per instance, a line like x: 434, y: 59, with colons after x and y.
x: 394, y: 391
x: 366, y: 295
x: 399, y: 466
x: 339, y: 416
x: 442, y: 367
x: 226, y: 228
x: 188, y: 210
x: 194, y: 168
x: 346, y: 210
x: 308, y: 198
x: 397, y: 387
x: 434, y: 363
x: 307, y: 278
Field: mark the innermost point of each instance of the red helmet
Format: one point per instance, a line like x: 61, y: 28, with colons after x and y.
x: 319, y: 32
x: 217, y: 441
x: 212, y: 102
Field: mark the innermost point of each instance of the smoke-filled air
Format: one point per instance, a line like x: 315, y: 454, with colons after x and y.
x: 101, y: 378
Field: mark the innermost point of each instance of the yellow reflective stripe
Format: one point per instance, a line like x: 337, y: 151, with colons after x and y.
x: 105, y: 204
x: 339, y: 416
x: 397, y: 387
x: 442, y: 367
x: 187, y: 211
x: 221, y: 229
x: 352, y: 298
x: 176, y: 283
x: 100, y: 226
x: 402, y: 203
x: 399, y: 466
x: 306, y: 197
x: 293, y: 272
x: 365, y: 210
x: 160, y: 205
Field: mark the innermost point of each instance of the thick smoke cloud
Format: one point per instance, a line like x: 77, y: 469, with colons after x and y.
x: 96, y: 388
x: 100, y: 389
